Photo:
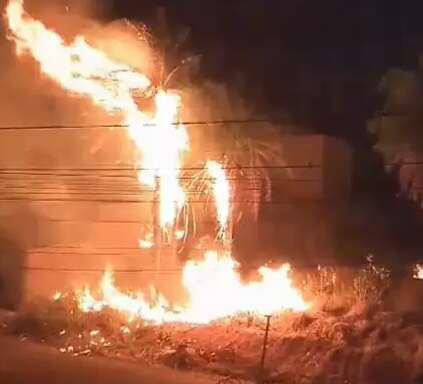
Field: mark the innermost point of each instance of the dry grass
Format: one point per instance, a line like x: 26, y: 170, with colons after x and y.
x: 350, y: 336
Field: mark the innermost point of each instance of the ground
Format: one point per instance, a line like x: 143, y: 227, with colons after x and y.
x: 365, y: 344
x: 26, y: 362
x: 367, y: 329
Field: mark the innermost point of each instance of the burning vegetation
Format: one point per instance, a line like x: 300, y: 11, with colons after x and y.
x: 316, y: 320
x: 353, y: 333
x: 214, y: 289
x: 213, y: 285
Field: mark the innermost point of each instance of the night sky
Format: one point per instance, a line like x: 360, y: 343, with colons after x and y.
x: 319, y: 61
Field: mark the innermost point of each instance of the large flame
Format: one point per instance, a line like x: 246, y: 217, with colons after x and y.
x: 132, y: 305
x: 82, y: 69
x: 221, y: 191
x: 214, y: 288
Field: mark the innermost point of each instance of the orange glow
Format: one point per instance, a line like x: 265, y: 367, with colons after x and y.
x: 57, y: 296
x: 418, y: 272
x: 221, y: 191
x: 215, y: 291
x: 134, y: 305
x: 84, y: 70
x: 147, y: 241
x: 213, y: 285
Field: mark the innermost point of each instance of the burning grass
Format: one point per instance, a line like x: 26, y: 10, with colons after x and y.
x: 349, y: 336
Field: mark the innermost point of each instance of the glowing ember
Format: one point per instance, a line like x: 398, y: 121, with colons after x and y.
x: 82, y: 69
x: 147, y: 241
x: 418, y: 272
x: 57, y: 296
x: 221, y: 190
x: 215, y: 291
x: 125, y: 329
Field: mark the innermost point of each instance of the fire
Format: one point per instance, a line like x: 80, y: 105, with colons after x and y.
x: 215, y: 291
x: 57, y: 296
x: 84, y: 70
x: 221, y: 190
x: 213, y: 285
x: 132, y: 305
x: 147, y: 241
x: 418, y: 272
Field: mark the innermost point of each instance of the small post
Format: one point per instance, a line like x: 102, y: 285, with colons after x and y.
x: 263, y: 353
x: 157, y: 232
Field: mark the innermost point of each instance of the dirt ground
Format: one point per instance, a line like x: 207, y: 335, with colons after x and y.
x: 27, y: 362
x: 366, y: 344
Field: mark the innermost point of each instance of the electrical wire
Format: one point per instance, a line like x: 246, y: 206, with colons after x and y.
x: 134, y: 201
x: 125, y: 126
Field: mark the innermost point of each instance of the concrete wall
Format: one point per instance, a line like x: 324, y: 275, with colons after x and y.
x: 301, y: 225
x: 59, y: 217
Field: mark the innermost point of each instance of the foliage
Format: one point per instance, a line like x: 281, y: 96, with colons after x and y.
x: 172, y: 59
x: 371, y: 282
x: 247, y: 149
x: 398, y: 124
x: 238, y: 146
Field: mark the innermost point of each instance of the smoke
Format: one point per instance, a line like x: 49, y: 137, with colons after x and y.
x: 25, y: 89
x: 28, y: 98
x: 242, y: 145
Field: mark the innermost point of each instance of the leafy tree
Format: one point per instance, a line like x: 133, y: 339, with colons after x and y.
x: 398, y: 124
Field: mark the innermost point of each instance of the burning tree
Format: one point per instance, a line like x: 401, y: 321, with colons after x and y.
x: 213, y: 284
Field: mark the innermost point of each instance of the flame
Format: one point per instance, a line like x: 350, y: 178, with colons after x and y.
x: 132, y: 305
x: 84, y: 70
x: 147, y: 242
x: 221, y: 190
x: 215, y: 291
x: 418, y: 272
x: 57, y: 296
x: 214, y: 287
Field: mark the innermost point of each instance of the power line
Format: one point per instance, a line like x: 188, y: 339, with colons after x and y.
x: 38, y: 171
x: 47, y: 269
x: 298, y: 267
x: 55, y: 171
x: 266, y: 120
x: 87, y: 178
x: 63, y: 187
x: 130, y: 184
x: 102, y: 193
x: 137, y: 201
x: 175, y: 123
x: 125, y: 126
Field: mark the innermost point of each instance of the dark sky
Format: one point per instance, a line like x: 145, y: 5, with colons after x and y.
x: 318, y: 60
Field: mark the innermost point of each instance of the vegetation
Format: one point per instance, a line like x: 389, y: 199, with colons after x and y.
x: 349, y: 334
x: 399, y: 119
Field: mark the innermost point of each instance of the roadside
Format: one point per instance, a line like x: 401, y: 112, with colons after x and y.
x: 24, y: 362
